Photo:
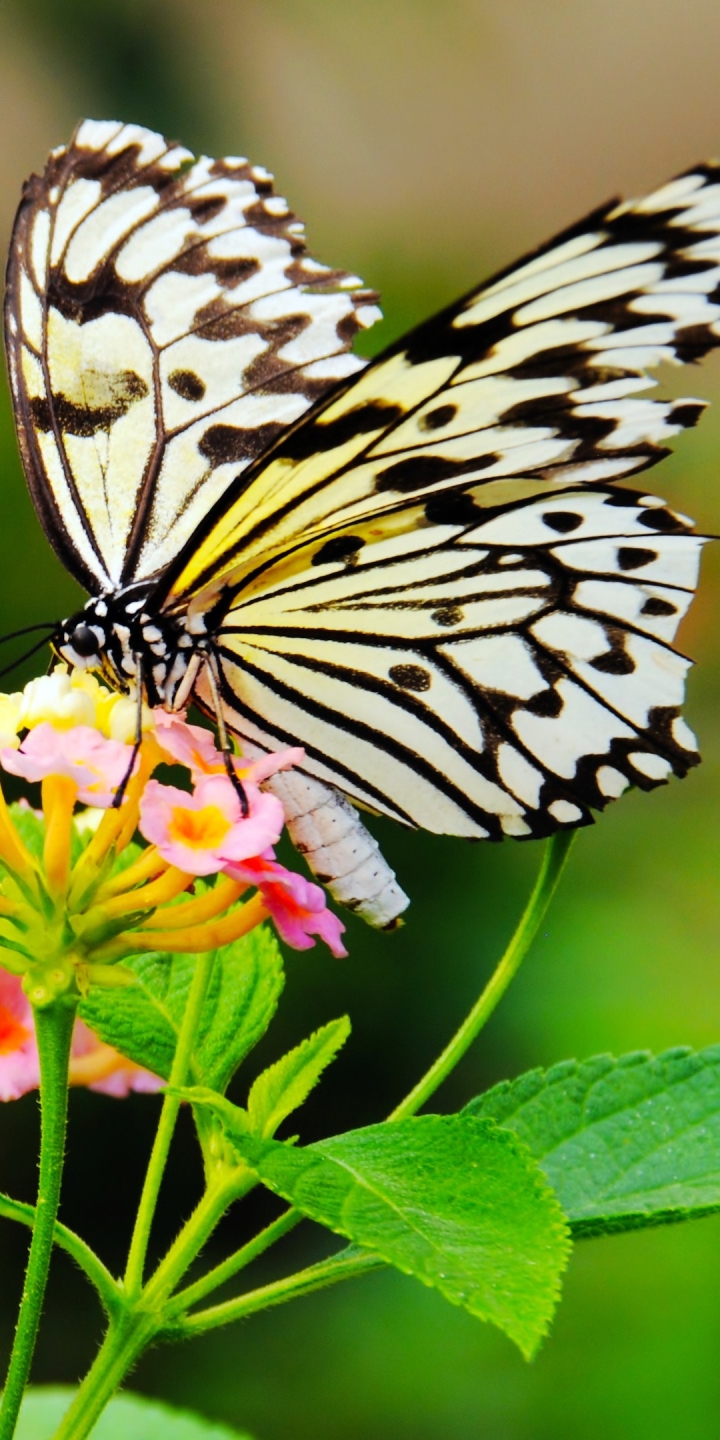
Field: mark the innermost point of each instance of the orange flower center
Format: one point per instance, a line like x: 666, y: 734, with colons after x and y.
x: 12, y: 1033
x: 199, y: 829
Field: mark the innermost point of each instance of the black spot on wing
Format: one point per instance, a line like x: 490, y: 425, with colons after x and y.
x: 363, y: 420
x: 455, y: 507
x: 340, y: 547
x: 688, y: 412
x: 659, y: 519
x: 547, y: 703
x: 417, y: 472
x: 410, y: 677
x: 634, y: 557
x: 656, y: 606
x: 85, y: 420
x: 437, y: 418
x: 614, y: 662
x: 226, y: 444
x: 447, y: 615
x: 187, y: 384
x: 562, y: 521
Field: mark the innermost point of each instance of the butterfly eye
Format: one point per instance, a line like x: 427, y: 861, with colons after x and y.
x: 84, y: 641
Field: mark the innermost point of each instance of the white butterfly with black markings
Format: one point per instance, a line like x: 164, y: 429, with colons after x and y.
x: 420, y: 570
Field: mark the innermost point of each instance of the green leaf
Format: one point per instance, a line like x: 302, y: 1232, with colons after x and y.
x: 127, y: 1417
x: 284, y: 1086
x: 454, y: 1201
x: 142, y: 1020
x: 623, y: 1142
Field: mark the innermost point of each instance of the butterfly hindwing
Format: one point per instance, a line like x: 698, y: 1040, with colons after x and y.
x: 495, y: 677
x: 164, y: 324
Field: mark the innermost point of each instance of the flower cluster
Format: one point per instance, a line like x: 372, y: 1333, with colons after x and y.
x: 93, y: 898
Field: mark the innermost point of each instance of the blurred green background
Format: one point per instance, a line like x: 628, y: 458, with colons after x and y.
x: 425, y: 142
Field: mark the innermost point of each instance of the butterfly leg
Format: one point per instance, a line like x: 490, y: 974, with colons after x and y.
x: 226, y: 744
x: 122, y: 787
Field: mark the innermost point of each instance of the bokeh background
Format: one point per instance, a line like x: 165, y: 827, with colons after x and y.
x: 425, y: 142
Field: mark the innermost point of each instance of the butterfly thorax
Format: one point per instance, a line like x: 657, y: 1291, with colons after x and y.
x: 118, y: 634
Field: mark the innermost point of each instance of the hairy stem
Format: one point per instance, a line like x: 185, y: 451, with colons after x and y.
x: 166, y: 1126
x: 344, y: 1266
x: 123, y: 1344
x: 234, y: 1263
x: 556, y: 853
x: 107, y: 1288
x: 53, y: 1028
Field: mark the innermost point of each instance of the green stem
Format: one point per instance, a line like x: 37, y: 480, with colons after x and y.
x: 166, y: 1127
x: 556, y: 853
x: 122, y: 1346
x: 53, y: 1028
x: 194, y: 1234
x: 349, y: 1263
x: 107, y: 1288
x: 221, y: 1273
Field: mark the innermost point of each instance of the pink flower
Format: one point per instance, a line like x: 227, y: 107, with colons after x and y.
x: 19, y: 1069
x: 189, y: 745
x: 202, y: 832
x: 195, y: 747
x: 298, y: 908
x: 96, y: 765
x: 92, y: 1063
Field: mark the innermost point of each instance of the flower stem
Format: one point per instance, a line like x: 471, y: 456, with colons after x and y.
x: 84, y: 1257
x: 350, y: 1262
x: 124, y: 1342
x: 166, y: 1127
x: 556, y: 853
x: 53, y: 1028
x: 234, y: 1263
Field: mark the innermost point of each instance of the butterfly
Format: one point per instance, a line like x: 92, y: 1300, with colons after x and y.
x: 420, y: 569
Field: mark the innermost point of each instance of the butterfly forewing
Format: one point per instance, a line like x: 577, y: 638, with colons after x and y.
x: 164, y: 325
x: 538, y: 374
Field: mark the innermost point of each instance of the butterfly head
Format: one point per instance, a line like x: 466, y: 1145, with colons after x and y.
x: 115, y: 635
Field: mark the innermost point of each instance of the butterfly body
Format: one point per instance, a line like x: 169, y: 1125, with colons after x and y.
x: 421, y: 570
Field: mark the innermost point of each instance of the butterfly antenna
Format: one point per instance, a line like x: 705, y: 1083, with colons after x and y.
x: 28, y: 629
x: 33, y: 651
x: 226, y: 744
x: 122, y: 787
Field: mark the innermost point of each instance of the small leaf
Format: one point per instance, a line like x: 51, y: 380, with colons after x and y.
x: 624, y: 1142
x: 248, y: 983
x: 142, y: 1021
x: 284, y: 1086
x: 127, y: 1417
x: 455, y: 1201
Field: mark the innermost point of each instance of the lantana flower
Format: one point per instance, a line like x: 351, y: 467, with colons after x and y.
x: 296, y: 905
x: 203, y: 832
x: 94, y: 765
x: 66, y: 926
x: 92, y: 1062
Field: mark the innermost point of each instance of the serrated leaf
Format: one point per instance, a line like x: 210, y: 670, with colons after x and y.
x: 454, y: 1201
x: 284, y: 1086
x: 142, y: 1021
x: 127, y: 1417
x: 624, y: 1142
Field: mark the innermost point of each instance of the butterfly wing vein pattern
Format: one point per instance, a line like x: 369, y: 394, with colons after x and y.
x: 164, y: 324
x: 418, y: 569
x: 496, y: 678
